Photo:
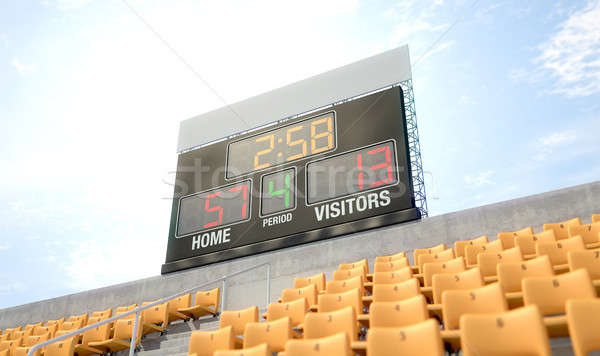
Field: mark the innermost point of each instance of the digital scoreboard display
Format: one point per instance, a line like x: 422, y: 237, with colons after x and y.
x: 336, y: 171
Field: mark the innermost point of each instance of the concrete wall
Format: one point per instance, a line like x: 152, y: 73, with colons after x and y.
x: 249, y: 289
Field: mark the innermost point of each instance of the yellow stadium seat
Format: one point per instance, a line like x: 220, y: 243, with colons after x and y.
x: 4, y: 353
x: 83, y: 317
x: 488, y: 262
x: 238, y: 319
x: 590, y: 234
x: 41, y: 330
x: 421, y: 339
x: 451, y: 266
x: 342, y: 274
x: 527, y: 243
x: 334, y: 287
x: 259, y: 350
x: 175, y: 304
x: 396, y: 256
x: 29, y: 342
x: 4, y: 337
x: 455, y: 281
x: 561, y: 229
x: 318, y: 280
x: 510, y: 274
x: 557, y: 251
x: 443, y: 256
x: 309, y: 292
x: 398, y: 314
x: 364, y: 263
x: 123, y: 332
x: 155, y: 318
x: 588, y: 259
x: 396, y: 292
x: 318, y: 325
x: 519, y: 332
x: 57, y: 322
x: 334, y: 345
x: 72, y: 325
x: 61, y: 348
x: 391, y: 265
x: 427, y: 251
x: 484, y: 300
x: 102, y: 314
x: 333, y: 302
x: 98, y: 334
x: 205, y: 343
x: 583, y: 318
x: 206, y: 303
x: 125, y: 309
x: 508, y: 238
x: 392, y: 277
x: 11, y: 345
x: 459, y: 246
x: 273, y: 333
x: 596, y: 218
x: 295, y: 310
x: 472, y: 251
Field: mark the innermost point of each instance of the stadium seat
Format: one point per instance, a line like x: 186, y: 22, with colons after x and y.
x: 484, y: 300
x: 259, y: 350
x: 396, y: 292
x: 510, y: 274
x: 427, y: 251
x: 396, y: 256
x: 41, y: 330
x: 508, y: 238
x: 583, y: 318
x: 98, y: 334
x: 392, y: 277
x: 205, y: 343
x: 11, y: 345
x: 238, y: 319
x: 121, y: 340
x: 362, y: 263
x: 342, y: 274
x: 123, y: 310
x: 155, y: 318
x: 4, y: 353
x: 595, y: 218
x: 588, y: 259
x: 472, y: 251
x: 83, y: 317
x: 334, y: 345
x: 334, y: 287
x: 398, y: 314
x: 488, y: 262
x: 557, y: 251
x: 274, y: 333
x: 175, y: 304
x: 422, y: 339
x: 590, y: 234
x: 518, y: 332
x: 455, y: 281
x: 561, y: 229
x: 443, y: 256
x: 205, y: 303
x: 295, y: 310
x: 318, y: 280
x: 29, y: 342
x: 318, y: 325
x: 451, y: 266
x: 459, y: 246
x: 61, y: 348
x: 57, y: 322
x: 527, y: 242
x: 102, y: 314
x: 72, y: 325
x: 333, y: 302
x: 309, y: 292
x: 391, y: 265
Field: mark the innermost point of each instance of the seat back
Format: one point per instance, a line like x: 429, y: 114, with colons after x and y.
x: 455, y: 281
x: 295, y: 310
x: 583, y: 318
x: 273, y: 333
x: 334, y: 287
x: 238, y: 319
x: 209, y: 299
x: 459, y: 246
x: 317, y: 325
x: 334, y: 345
x: 123, y: 329
x: 443, y: 256
x: 527, y: 242
x: 343, y: 274
x: 590, y: 233
x: 393, y: 277
x: 99, y: 333
x: 158, y: 314
x: 57, y: 322
x: 391, y: 265
x: 309, y: 292
x: 520, y: 332
x: 595, y: 218
x: 180, y: 302
x: 557, y: 251
x: 551, y: 293
x: 587, y: 259
x: 510, y: 274
x: 451, y: 266
x: 484, y: 300
x: 561, y: 229
x: 423, y: 339
x: 396, y: 292
x: 32, y: 340
x: 318, y: 280
x: 427, y: 251
x: 397, y: 256
x: 205, y: 343
x: 260, y: 350
x: 398, y: 314
x: 364, y: 263
x: 82, y: 317
x: 61, y: 348
x: 72, y: 325
x: 41, y: 330
x: 11, y: 345
x: 488, y: 262
x: 332, y: 302
x: 472, y: 251
x: 102, y: 314
x: 508, y: 238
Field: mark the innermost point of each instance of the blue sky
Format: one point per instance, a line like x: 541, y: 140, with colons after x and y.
x: 90, y: 100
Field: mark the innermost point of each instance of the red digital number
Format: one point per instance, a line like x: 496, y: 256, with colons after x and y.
x: 384, y: 165
x: 214, y: 208
x: 244, y: 188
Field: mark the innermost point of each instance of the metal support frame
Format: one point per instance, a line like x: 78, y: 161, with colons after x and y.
x: 137, y: 311
x: 414, y: 147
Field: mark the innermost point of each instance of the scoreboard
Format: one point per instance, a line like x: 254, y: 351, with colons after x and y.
x: 336, y: 171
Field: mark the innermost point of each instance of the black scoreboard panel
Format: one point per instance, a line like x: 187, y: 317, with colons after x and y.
x: 336, y: 171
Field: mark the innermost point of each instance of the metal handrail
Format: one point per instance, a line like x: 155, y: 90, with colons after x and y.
x: 139, y: 309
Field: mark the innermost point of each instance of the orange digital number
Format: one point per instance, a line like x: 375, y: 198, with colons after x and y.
x: 314, y: 136
x: 295, y: 143
x: 271, y: 139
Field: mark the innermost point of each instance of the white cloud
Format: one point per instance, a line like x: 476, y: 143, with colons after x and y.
x: 466, y: 100
x: 480, y: 179
x: 546, y: 145
x: 22, y: 67
x: 4, y: 246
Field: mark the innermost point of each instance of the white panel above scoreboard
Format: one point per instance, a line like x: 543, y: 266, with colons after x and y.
x: 349, y: 81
